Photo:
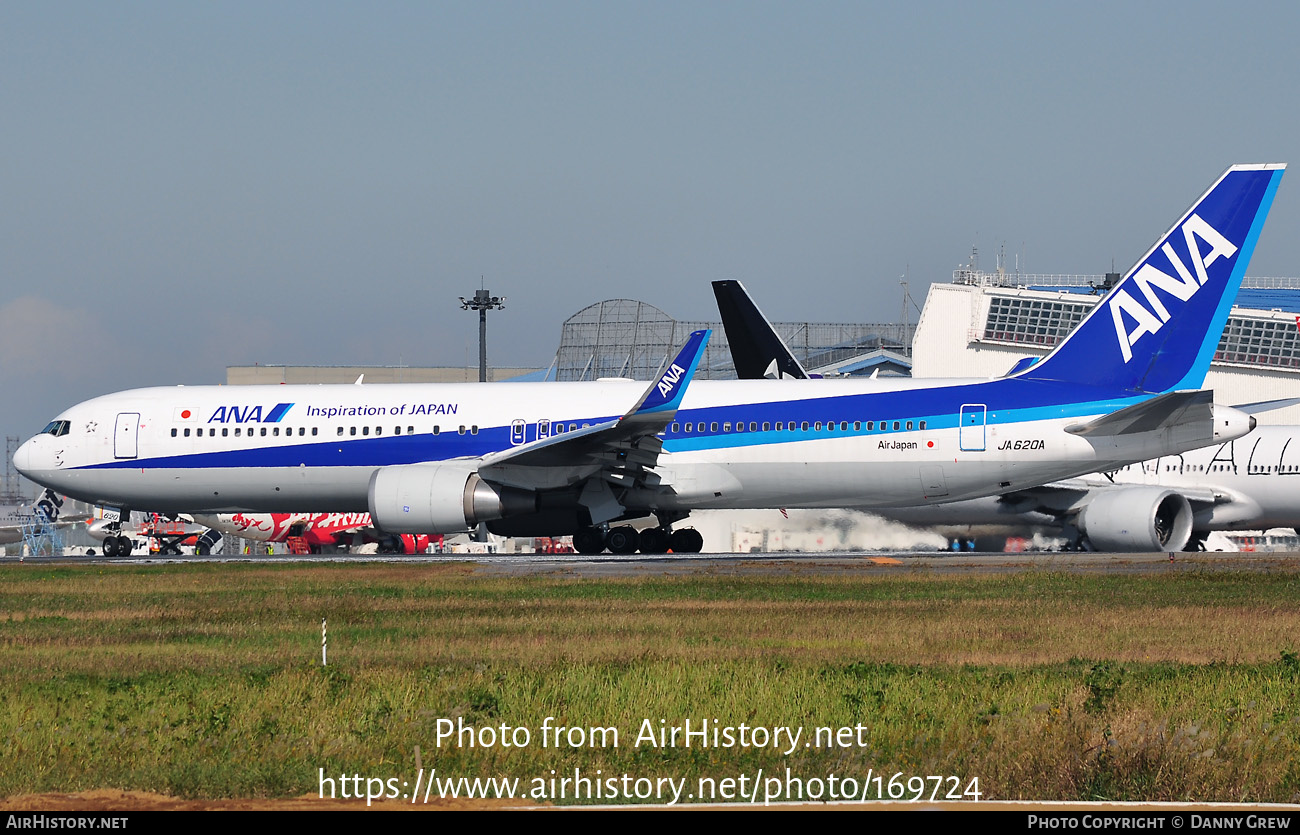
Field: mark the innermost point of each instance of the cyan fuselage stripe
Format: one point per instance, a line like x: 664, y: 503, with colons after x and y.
x: 277, y: 414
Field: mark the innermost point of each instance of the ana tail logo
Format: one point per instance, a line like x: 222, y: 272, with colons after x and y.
x: 1152, y: 317
x: 1158, y: 329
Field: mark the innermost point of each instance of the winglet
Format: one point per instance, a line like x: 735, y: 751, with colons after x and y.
x: 666, y: 392
x: 1157, y: 330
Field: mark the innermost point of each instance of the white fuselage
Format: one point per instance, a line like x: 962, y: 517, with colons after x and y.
x: 805, y: 443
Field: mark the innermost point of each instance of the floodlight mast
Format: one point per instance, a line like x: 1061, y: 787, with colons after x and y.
x: 483, y: 301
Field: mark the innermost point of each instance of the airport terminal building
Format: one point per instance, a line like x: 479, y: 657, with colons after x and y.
x: 982, y: 323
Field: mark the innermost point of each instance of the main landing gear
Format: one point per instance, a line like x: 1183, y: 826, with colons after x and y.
x: 118, y: 546
x: 626, y: 539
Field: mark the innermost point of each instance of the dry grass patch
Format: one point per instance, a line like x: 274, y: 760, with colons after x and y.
x: 205, y: 680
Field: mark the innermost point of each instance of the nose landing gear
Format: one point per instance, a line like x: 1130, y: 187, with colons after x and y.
x: 118, y: 546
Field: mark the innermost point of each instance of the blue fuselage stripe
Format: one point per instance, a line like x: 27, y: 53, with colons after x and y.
x: 1004, y: 401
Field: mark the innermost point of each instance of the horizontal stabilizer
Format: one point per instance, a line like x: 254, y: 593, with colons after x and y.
x: 1267, y: 405
x: 1174, y: 408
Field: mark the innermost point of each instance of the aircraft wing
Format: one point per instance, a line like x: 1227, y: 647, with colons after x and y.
x: 623, y: 450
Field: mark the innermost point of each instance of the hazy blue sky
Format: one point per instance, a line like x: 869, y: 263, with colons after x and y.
x: 187, y: 186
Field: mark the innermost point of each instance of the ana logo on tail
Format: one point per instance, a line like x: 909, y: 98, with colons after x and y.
x: 1151, y: 317
x: 670, y: 379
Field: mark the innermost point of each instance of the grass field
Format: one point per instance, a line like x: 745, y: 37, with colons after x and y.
x: 204, y: 680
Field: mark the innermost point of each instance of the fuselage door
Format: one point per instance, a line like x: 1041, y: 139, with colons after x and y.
x: 124, y: 435
x: 933, y: 484
x: 972, y: 427
x: 543, y: 429
x: 517, y: 432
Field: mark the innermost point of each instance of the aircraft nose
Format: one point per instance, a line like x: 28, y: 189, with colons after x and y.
x: 23, y: 457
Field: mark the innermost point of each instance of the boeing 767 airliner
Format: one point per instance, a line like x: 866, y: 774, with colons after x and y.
x: 572, y: 458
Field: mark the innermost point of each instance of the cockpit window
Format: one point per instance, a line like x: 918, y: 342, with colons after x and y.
x: 57, y: 428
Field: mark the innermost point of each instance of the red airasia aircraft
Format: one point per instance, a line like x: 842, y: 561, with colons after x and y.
x: 317, y: 532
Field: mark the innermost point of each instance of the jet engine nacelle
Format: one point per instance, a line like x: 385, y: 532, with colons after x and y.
x: 440, y: 498
x: 1137, y: 519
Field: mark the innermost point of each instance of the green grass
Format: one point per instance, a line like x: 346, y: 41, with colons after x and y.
x: 205, y: 680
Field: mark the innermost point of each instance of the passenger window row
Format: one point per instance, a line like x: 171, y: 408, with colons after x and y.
x: 239, y: 431
x: 701, y: 427
x: 274, y: 431
x: 289, y: 431
x: 379, y: 430
x: 677, y: 428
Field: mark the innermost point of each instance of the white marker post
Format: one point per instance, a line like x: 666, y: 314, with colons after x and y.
x: 322, y: 642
